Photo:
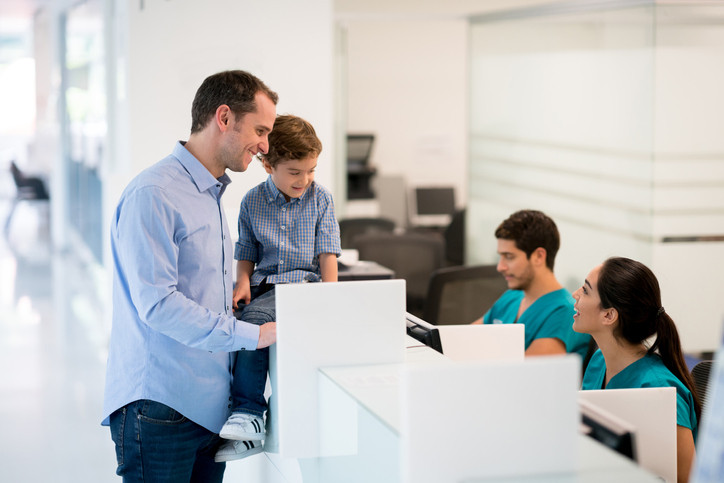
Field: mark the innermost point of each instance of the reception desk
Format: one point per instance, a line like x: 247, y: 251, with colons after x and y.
x: 352, y: 410
x: 374, y: 393
x: 360, y: 422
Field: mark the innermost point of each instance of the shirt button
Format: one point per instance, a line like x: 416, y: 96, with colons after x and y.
x: 281, y: 262
x: 281, y: 227
x: 284, y: 209
x: 229, y: 406
x: 281, y: 244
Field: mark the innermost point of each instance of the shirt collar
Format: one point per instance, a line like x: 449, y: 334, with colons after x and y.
x: 202, y: 177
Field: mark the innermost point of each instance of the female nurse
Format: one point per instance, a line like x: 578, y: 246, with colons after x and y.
x: 619, y: 305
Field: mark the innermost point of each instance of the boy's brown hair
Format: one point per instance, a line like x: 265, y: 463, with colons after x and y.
x: 292, y: 138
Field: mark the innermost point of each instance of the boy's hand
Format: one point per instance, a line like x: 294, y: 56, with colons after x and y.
x: 242, y: 291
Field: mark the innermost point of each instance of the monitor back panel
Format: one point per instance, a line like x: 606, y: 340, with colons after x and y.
x: 652, y: 413
x: 470, y: 421
x: 499, y: 342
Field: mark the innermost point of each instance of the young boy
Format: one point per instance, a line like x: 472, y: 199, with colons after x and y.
x: 288, y: 233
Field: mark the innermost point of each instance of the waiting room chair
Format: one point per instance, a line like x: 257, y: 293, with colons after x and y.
x: 462, y: 294
x: 700, y: 375
x: 28, y: 188
x: 412, y: 256
x: 350, y: 228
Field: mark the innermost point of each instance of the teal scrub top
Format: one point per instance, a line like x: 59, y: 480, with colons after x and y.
x: 551, y: 316
x: 649, y: 371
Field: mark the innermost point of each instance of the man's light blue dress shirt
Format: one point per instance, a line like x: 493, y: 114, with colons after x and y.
x: 173, y: 328
x: 285, y: 238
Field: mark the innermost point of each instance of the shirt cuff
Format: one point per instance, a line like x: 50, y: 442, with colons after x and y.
x: 246, y: 336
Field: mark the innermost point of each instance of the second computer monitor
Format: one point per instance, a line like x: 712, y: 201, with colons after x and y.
x: 431, y: 205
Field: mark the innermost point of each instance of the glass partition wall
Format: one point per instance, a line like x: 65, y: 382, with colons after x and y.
x: 608, y: 117
x: 85, y: 123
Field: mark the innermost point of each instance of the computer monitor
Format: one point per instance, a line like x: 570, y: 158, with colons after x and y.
x: 607, y: 429
x: 431, y: 206
x: 423, y: 331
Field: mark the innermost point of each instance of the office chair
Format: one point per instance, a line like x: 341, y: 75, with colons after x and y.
x: 592, y: 348
x: 28, y: 188
x: 350, y: 228
x: 460, y: 295
x: 700, y: 374
x: 455, y: 239
x: 412, y: 256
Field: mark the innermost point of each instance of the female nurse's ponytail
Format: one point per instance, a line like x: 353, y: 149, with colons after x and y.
x: 668, y: 346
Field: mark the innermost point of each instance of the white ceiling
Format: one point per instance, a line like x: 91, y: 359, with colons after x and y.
x: 26, y: 8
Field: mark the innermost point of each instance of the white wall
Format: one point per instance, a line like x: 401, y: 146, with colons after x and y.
x: 407, y: 84
x: 688, y: 177
x: 166, y: 49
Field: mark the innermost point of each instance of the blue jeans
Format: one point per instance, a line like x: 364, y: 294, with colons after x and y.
x: 251, y: 367
x: 154, y: 443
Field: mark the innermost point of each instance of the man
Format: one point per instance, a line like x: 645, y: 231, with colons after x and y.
x: 170, y: 356
x: 528, y: 242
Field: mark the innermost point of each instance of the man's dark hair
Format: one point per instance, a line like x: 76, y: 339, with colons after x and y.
x: 235, y: 88
x: 531, y: 229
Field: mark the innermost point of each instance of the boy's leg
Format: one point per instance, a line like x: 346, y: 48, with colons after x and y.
x: 251, y: 367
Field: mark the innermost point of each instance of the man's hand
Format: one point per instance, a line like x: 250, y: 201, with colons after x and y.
x: 267, y: 335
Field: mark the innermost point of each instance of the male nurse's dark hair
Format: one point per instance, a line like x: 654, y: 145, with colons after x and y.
x: 531, y: 229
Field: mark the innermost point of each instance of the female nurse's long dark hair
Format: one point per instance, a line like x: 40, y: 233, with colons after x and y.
x: 633, y: 290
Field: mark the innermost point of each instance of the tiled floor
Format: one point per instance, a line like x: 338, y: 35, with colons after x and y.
x: 52, y: 355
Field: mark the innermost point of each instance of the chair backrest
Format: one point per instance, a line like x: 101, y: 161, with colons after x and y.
x: 700, y: 374
x: 455, y: 239
x: 28, y: 187
x: 412, y: 256
x: 18, y: 175
x: 350, y: 228
x: 459, y: 295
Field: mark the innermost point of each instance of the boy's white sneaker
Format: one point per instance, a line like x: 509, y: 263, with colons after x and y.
x: 235, y: 450
x: 243, y: 427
